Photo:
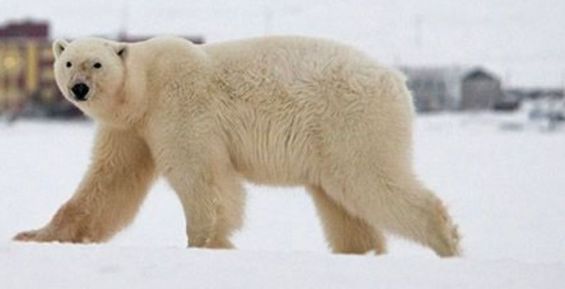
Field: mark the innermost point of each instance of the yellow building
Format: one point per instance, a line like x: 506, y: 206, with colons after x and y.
x: 26, y: 67
x: 25, y: 72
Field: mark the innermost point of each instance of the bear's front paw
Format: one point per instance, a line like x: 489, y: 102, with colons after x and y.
x: 27, y: 236
x: 40, y: 235
x: 70, y: 233
x: 50, y: 235
x: 69, y: 225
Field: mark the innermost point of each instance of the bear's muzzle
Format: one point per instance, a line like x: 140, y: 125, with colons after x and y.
x: 80, y: 90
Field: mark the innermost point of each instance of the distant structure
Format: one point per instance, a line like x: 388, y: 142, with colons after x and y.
x: 453, y: 88
x: 25, y: 29
x: 27, y: 83
x: 545, y: 106
x: 537, y: 93
x: 26, y: 61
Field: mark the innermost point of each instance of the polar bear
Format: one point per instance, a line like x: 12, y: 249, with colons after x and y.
x: 286, y: 111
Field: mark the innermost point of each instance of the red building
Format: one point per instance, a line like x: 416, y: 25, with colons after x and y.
x: 26, y: 29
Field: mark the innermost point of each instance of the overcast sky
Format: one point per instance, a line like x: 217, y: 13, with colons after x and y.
x: 523, y: 41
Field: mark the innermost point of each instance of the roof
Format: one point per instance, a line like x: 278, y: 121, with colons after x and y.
x: 446, y: 73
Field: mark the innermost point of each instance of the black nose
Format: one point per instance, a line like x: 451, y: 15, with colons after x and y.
x: 80, y: 90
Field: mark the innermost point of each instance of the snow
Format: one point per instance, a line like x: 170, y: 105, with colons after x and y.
x: 500, y: 176
x: 114, y: 267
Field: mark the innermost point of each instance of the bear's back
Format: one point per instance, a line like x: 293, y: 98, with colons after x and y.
x: 287, y: 66
x: 291, y: 53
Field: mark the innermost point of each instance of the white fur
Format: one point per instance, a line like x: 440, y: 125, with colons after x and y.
x: 276, y: 110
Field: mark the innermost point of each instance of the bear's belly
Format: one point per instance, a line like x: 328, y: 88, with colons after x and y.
x: 274, y: 163
x: 268, y: 175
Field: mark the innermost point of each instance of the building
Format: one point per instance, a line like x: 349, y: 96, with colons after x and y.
x: 453, y: 88
x: 25, y: 29
x: 26, y: 64
x: 27, y: 82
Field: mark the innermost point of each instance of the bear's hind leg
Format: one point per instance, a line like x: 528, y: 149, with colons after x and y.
x: 408, y: 210
x: 345, y: 233
x: 421, y: 216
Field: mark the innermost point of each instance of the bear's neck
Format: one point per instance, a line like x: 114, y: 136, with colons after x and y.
x: 132, y: 101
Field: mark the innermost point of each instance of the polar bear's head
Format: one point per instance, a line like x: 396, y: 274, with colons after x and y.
x: 91, y: 73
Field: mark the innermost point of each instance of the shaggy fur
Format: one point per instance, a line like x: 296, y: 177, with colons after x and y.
x: 280, y: 110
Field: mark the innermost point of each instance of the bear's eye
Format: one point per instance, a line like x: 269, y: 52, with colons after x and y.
x: 97, y: 65
x: 69, y: 64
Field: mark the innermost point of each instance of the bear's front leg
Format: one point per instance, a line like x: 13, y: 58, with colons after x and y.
x: 109, y: 196
x: 213, y: 200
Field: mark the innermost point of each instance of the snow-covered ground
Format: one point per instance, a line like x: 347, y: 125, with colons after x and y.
x: 501, y: 177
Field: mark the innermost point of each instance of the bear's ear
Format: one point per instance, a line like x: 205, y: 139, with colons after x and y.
x: 121, y: 50
x: 58, y: 47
